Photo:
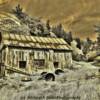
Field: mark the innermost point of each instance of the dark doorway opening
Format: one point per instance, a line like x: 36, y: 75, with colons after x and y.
x: 56, y: 64
x: 22, y: 64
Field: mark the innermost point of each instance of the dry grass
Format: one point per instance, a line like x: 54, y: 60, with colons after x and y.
x: 69, y: 84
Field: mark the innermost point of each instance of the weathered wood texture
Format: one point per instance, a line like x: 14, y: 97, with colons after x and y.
x: 12, y: 57
x: 30, y: 53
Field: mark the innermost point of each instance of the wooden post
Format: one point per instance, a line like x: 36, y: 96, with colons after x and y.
x: 6, y: 60
x: 28, y: 63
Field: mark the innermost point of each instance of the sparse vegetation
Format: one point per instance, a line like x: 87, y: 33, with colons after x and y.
x: 72, y: 83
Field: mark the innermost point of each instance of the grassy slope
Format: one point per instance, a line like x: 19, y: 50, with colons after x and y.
x: 72, y: 83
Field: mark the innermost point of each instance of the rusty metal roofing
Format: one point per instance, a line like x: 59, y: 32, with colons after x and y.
x: 34, y: 41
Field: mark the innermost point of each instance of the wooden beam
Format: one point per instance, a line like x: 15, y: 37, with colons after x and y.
x: 17, y: 70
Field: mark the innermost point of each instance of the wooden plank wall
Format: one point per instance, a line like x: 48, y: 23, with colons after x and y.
x: 16, y: 55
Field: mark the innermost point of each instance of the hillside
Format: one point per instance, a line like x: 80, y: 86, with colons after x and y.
x: 80, y: 16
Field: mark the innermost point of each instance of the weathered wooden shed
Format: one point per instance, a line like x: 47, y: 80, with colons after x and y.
x: 30, y: 53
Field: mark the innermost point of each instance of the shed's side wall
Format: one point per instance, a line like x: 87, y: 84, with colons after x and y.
x: 64, y: 59
x: 11, y: 57
x: 16, y: 55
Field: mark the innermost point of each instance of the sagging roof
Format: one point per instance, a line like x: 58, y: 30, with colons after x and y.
x: 18, y: 40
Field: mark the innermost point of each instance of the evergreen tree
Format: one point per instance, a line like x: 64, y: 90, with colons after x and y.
x: 98, y: 41
x: 48, y: 25
x: 97, y: 29
x: 78, y: 43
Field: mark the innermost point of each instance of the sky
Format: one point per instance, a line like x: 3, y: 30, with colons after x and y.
x: 78, y: 16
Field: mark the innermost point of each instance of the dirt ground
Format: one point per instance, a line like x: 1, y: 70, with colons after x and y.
x: 76, y: 84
